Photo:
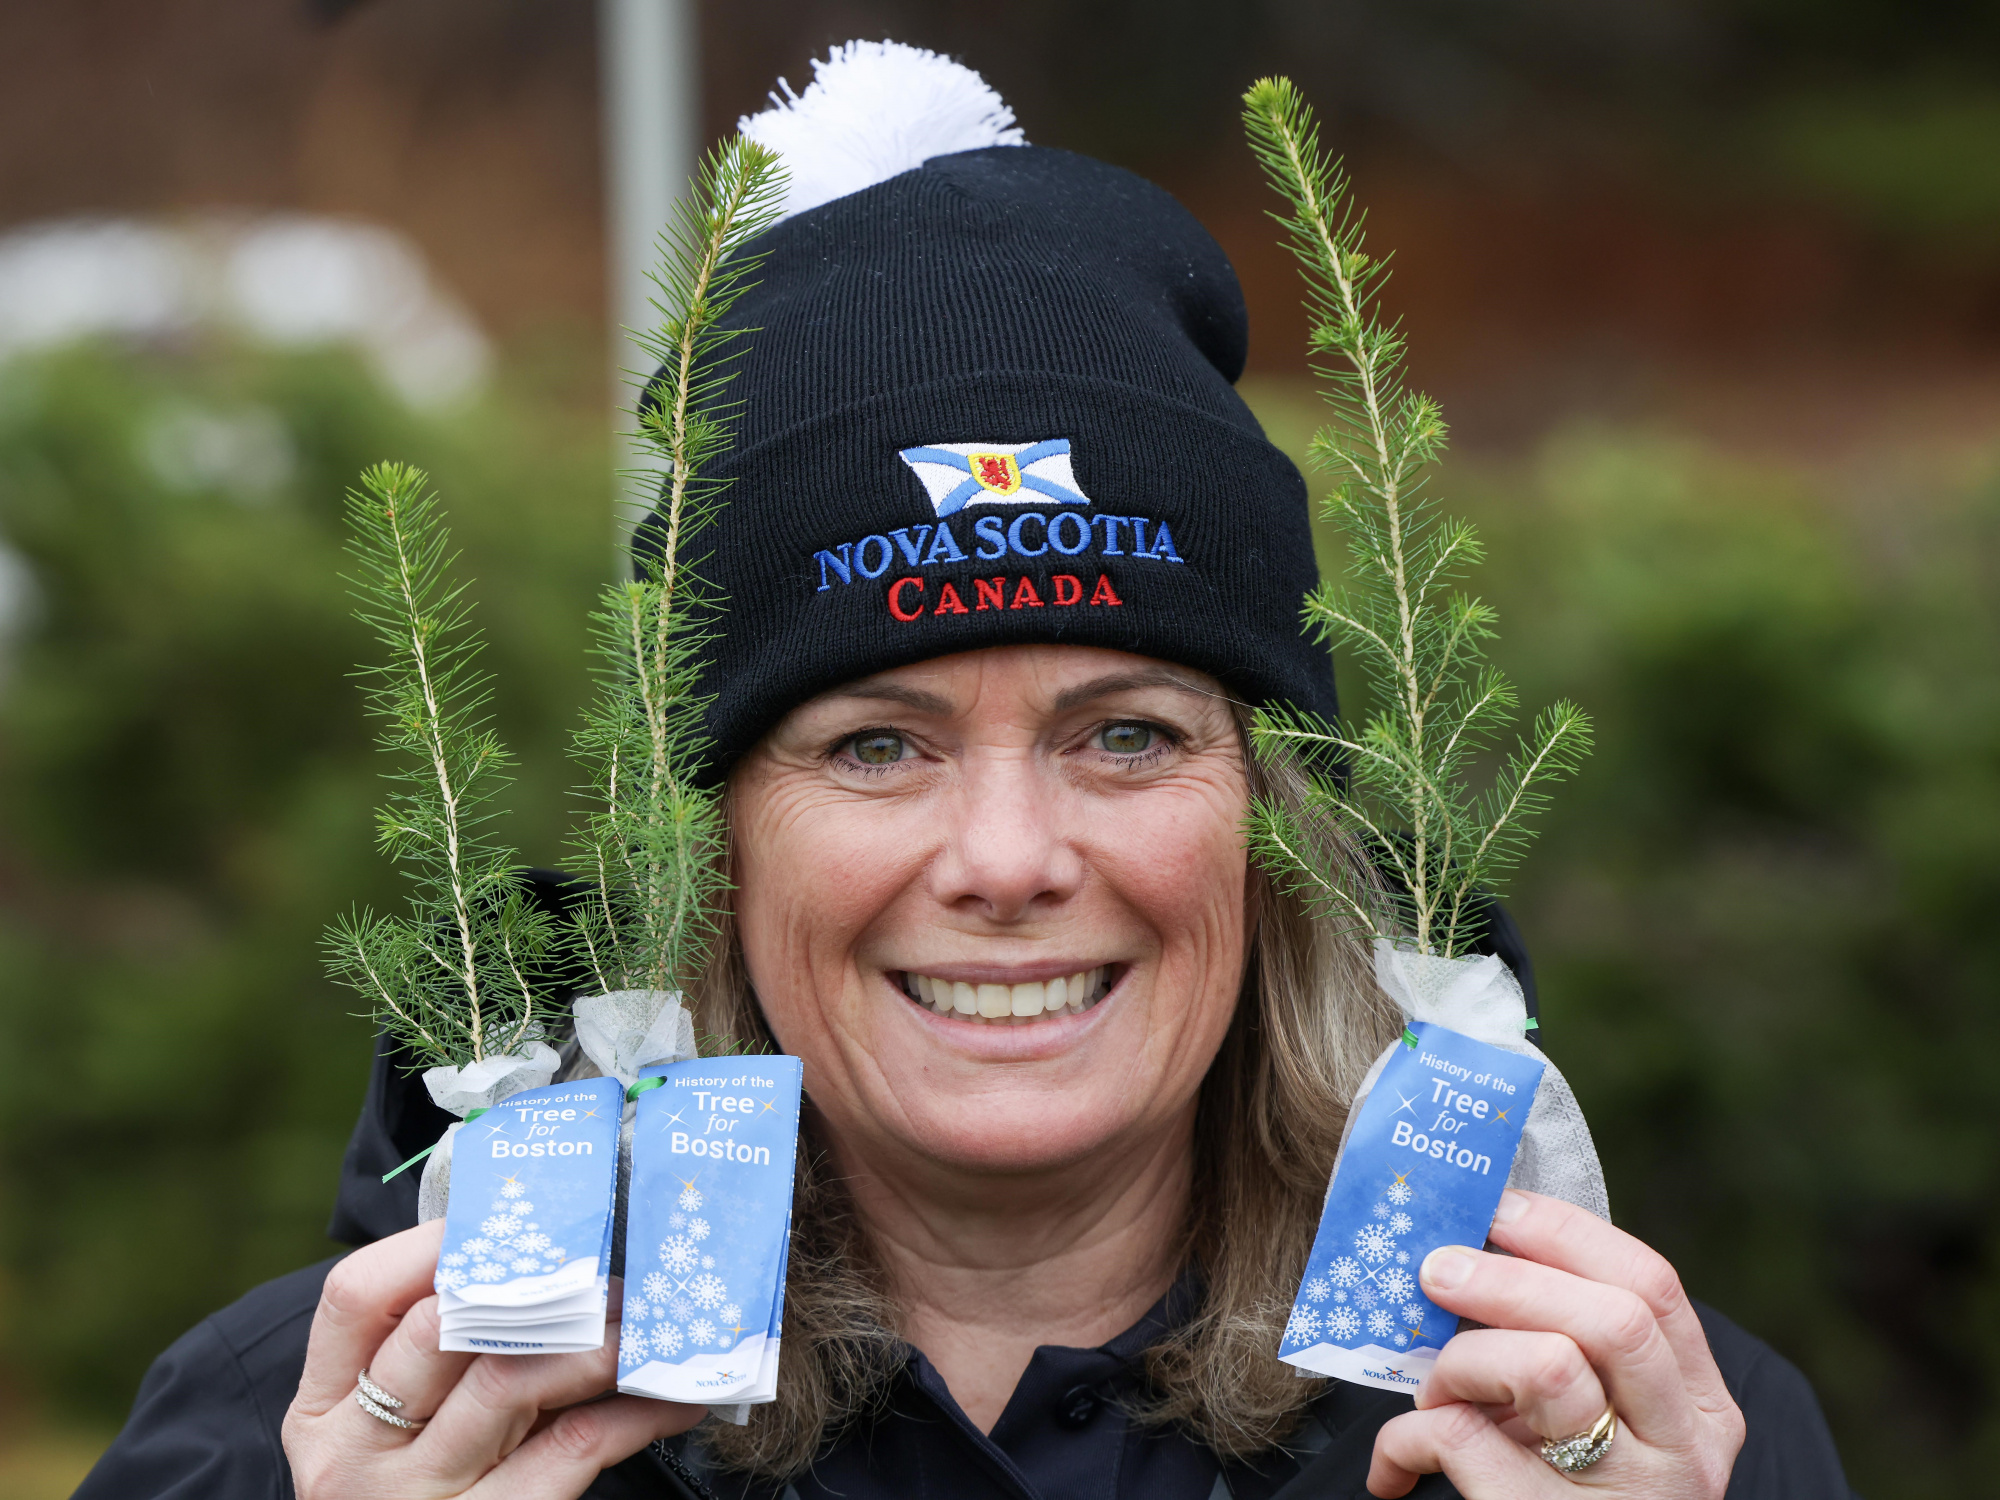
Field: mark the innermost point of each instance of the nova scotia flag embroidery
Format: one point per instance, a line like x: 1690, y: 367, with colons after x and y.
x: 956, y: 475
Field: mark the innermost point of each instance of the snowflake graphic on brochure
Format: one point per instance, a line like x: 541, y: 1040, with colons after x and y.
x: 508, y: 1243
x: 708, y: 1291
x: 1372, y: 1272
x: 685, y: 1307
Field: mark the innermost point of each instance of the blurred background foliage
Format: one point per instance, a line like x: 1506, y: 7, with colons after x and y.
x: 186, y: 798
x: 1710, y: 290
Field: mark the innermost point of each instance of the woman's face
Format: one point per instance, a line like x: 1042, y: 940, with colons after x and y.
x: 971, y: 834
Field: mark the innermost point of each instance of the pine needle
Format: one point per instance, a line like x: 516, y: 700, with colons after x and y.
x: 652, y: 844
x: 1398, y: 786
x: 451, y: 979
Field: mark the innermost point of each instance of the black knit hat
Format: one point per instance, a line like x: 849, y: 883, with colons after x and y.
x: 990, y: 401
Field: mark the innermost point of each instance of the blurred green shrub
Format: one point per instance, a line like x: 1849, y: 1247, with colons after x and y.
x: 1762, y: 916
x: 186, y: 786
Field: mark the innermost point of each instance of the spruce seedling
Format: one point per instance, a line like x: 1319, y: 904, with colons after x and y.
x: 450, y: 979
x: 653, y: 842
x: 1401, y: 786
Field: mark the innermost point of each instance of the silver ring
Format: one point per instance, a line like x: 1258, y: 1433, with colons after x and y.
x: 380, y: 1405
x: 1572, y: 1455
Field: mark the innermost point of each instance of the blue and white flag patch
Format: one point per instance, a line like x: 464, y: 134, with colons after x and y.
x: 956, y: 475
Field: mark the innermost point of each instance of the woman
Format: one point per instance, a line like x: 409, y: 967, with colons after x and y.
x: 1005, y: 558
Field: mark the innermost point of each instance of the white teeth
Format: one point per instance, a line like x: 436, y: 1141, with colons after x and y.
x: 1008, y: 1005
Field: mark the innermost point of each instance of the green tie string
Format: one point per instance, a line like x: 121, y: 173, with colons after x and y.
x: 428, y: 1149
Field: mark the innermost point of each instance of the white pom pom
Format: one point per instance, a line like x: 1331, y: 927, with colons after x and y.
x: 872, y: 111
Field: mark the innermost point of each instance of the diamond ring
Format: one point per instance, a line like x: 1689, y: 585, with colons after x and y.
x: 383, y: 1407
x: 1572, y: 1455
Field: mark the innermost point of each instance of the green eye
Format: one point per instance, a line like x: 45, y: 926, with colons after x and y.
x: 1126, y: 739
x: 878, y: 747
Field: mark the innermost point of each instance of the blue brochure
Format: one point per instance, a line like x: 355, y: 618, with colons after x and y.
x: 1424, y: 1165
x: 525, y: 1264
x: 708, y: 1230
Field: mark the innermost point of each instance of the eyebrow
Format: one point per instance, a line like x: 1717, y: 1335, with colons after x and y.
x: 1084, y: 692
x: 889, y: 692
x: 1124, y: 682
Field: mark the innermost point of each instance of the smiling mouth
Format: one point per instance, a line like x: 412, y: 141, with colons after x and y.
x: 1011, y: 1004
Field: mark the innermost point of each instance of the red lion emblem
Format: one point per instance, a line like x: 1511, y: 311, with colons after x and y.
x: 998, y: 472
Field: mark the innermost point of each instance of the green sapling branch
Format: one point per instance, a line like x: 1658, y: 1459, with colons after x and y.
x: 451, y: 979
x: 1401, y: 786
x: 655, y: 838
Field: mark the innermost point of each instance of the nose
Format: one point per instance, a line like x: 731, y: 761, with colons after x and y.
x: 1007, y: 854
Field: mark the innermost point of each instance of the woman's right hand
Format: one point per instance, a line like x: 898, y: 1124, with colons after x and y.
x: 495, y: 1425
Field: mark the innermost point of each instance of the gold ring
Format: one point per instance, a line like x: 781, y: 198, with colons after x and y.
x: 1572, y: 1455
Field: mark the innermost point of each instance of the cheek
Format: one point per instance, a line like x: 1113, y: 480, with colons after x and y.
x: 1185, y: 864
x: 1184, y: 870
x: 809, y: 881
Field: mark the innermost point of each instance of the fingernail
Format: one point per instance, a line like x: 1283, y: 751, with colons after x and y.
x: 1512, y: 1206
x: 1447, y: 1267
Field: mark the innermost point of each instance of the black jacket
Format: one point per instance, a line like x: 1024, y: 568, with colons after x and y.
x: 205, y: 1427
x: 205, y: 1424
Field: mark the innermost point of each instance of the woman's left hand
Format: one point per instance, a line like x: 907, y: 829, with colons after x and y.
x: 1579, y: 1316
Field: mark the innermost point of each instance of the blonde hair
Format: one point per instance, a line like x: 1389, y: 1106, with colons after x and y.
x: 1308, y: 1023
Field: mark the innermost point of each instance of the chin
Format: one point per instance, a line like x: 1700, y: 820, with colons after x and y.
x: 998, y: 1137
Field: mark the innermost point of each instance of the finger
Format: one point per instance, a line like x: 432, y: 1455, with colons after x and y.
x: 362, y: 1300
x: 496, y: 1403
x: 410, y: 1366
x: 1572, y: 1239
x: 1542, y: 1377
x: 1481, y: 1462
x: 1613, y: 1327
x: 561, y: 1461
